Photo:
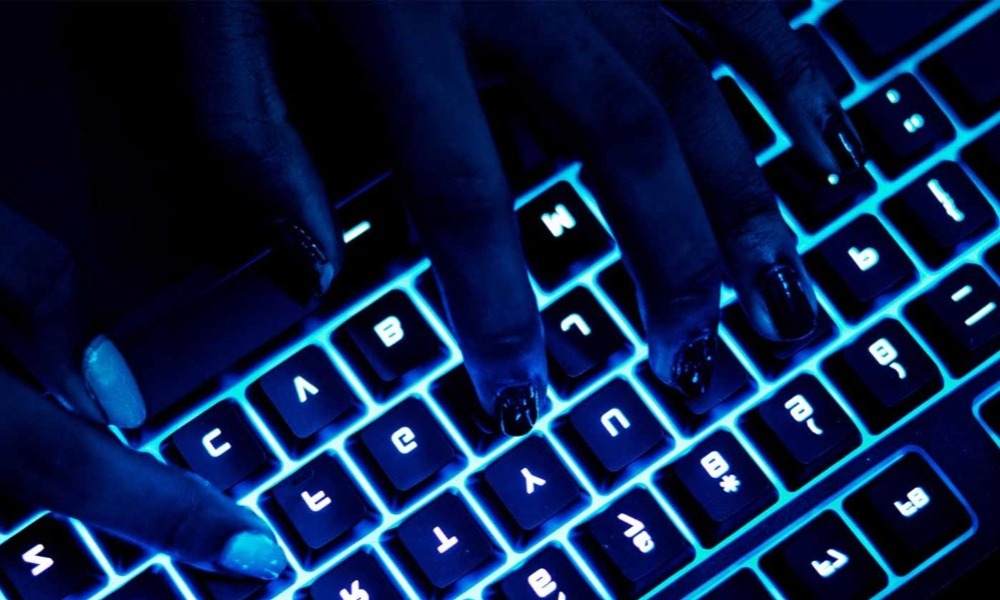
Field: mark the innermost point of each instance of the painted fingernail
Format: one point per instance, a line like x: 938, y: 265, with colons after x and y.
x: 843, y: 142
x: 787, y: 302
x: 305, y: 254
x: 111, y: 383
x: 692, y: 372
x: 253, y: 554
x: 517, y: 409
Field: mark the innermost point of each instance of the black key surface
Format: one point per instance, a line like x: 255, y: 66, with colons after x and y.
x: 823, y: 560
x: 802, y: 430
x: 618, y: 285
x: 758, y: 133
x: 773, y: 358
x: 614, y: 429
x: 983, y: 156
x: 531, y: 484
x: 717, y: 487
x: 321, y: 504
x: 900, y: 124
x: 827, y: 62
x: 860, y: 265
x: 959, y: 317
x: 547, y: 574
x: 445, y: 541
x: 406, y: 448
x: 358, y: 577
x: 877, y: 34
x: 220, y: 446
x: 560, y: 235
x: 633, y: 544
x: 219, y: 586
x: 151, y: 584
x: 307, y: 393
x: 968, y: 83
x: 813, y: 197
x: 908, y: 512
x: 990, y: 412
x: 389, y: 344
x: 582, y: 340
x: 744, y: 585
x: 884, y: 374
x: 941, y: 213
x: 455, y: 394
x: 47, y: 560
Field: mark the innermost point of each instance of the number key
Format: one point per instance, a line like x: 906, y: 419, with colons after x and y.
x: 548, y: 574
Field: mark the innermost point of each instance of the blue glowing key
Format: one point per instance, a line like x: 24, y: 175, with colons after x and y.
x: 546, y: 574
x: 360, y: 576
x: 48, y: 561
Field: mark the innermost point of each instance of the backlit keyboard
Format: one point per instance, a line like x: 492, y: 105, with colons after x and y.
x: 860, y: 462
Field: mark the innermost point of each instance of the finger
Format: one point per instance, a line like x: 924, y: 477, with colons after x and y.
x: 41, y: 321
x: 756, y: 39
x: 260, y: 156
x: 458, y: 200
x: 758, y: 248
x: 632, y: 157
x: 72, y: 467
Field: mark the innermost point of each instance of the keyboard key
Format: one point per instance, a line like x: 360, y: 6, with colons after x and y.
x: 758, y: 133
x: 319, y: 505
x: 358, y: 577
x: 530, y: 485
x: 717, y: 487
x: 613, y: 429
x: 941, y: 213
x: 859, y: 265
x: 123, y: 555
x: 876, y: 35
x: 560, y: 235
x: 824, y: 561
x: 968, y: 83
x: 827, y: 62
x: 220, y: 446
x: 546, y: 574
x: 405, y: 449
x: 908, y: 513
x: 218, y: 586
x: 774, y: 358
x: 445, y: 542
x: 884, y: 374
x: 618, y: 285
x: 901, y: 125
x: 379, y: 243
x: 47, y: 560
x: 582, y: 340
x: 306, y: 394
x: 802, y: 430
x: 633, y: 544
x: 983, y: 156
x: 959, y: 318
x: 815, y: 198
x: 742, y: 586
x: 151, y: 584
x: 990, y: 412
x: 454, y: 393
x: 389, y: 344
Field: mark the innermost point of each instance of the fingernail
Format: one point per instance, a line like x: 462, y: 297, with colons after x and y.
x: 517, y: 409
x: 253, y: 554
x: 111, y: 383
x: 787, y: 302
x: 304, y: 252
x: 692, y: 372
x: 843, y: 142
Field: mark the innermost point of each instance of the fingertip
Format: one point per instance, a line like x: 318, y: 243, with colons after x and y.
x: 843, y: 142
x: 302, y: 251
x: 786, y: 309
x: 516, y: 408
x: 253, y: 554
x: 110, y: 382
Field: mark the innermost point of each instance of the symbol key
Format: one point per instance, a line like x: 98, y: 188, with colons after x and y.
x: 405, y: 448
x: 444, y: 541
x: 959, y: 317
x: 389, y: 344
x: 884, y: 374
x: 634, y: 544
x: 47, y: 560
x: 717, y: 487
x: 802, y: 430
x: 824, y: 561
x: 908, y: 513
x: 359, y: 577
x: 548, y: 574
